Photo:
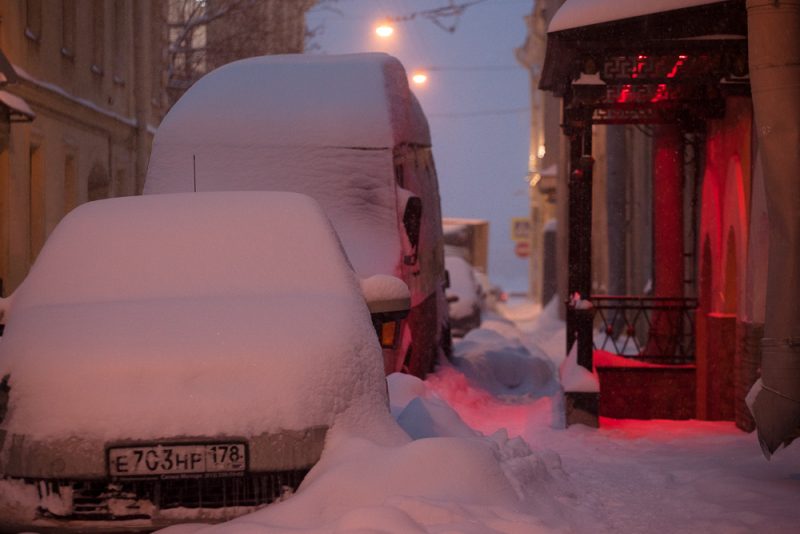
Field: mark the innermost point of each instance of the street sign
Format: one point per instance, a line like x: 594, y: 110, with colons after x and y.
x: 521, y: 229
x: 522, y: 249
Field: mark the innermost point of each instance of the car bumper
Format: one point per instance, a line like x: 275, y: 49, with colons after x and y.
x: 65, y: 485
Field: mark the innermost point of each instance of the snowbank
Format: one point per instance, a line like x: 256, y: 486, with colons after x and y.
x: 504, y: 367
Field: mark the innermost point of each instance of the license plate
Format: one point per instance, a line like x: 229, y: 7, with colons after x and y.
x: 184, y: 459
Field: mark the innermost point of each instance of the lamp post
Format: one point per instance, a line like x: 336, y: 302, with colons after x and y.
x: 384, y: 30
x: 419, y: 78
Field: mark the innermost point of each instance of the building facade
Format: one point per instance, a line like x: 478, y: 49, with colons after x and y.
x: 716, y: 86
x: 98, y: 76
x: 207, y: 35
x: 93, y: 72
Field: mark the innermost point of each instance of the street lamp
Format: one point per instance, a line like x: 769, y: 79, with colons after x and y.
x: 384, y: 30
x: 419, y: 78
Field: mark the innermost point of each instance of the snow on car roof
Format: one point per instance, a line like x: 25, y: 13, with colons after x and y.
x: 189, y: 244
x: 189, y: 314
x: 318, y: 125
x: 353, y: 100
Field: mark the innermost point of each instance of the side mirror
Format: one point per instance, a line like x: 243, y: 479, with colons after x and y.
x: 389, y: 302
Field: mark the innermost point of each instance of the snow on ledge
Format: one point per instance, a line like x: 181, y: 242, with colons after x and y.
x: 578, y: 13
x: 574, y: 377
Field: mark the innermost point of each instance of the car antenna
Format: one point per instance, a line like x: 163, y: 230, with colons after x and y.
x: 194, y: 172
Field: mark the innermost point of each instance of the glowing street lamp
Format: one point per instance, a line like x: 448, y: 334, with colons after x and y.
x: 419, y: 78
x: 384, y: 30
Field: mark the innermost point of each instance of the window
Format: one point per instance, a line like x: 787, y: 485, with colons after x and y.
x: 70, y: 183
x: 99, y: 182
x: 68, y: 25
x: 33, y: 19
x: 157, y: 46
x: 36, y: 202
x: 119, y: 58
x: 98, y: 35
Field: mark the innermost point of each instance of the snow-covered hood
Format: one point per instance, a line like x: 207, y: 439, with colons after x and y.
x: 238, y: 365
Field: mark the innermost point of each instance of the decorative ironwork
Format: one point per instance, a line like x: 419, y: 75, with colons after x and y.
x: 663, y: 68
x: 650, y: 329
x: 656, y: 88
x: 664, y: 113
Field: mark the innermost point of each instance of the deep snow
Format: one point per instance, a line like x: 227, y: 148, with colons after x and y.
x: 107, y: 298
x: 489, y: 454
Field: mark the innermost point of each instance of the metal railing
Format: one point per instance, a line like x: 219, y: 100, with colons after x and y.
x: 650, y: 329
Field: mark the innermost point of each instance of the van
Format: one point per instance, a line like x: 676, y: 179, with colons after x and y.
x: 345, y: 130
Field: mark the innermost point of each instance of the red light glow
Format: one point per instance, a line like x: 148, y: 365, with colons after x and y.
x: 637, y: 70
x: 661, y: 93
x: 678, y: 64
x: 624, y: 93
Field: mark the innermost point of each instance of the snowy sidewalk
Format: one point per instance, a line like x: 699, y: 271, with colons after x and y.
x: 640, y: 476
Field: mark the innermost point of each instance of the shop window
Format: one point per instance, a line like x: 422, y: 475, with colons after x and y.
x: 33, y: 19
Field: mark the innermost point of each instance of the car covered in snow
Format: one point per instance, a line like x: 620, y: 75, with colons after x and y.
x: 182, y: 356
x: 464, y: 295
x: 343, y: 129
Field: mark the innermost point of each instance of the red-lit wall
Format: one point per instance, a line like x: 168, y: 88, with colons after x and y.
x: 722, y: 257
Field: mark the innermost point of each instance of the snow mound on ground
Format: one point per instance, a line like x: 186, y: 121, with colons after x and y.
x: 575, y: 377
x: 548, y: 332
x: 503, y: 366
x: 403, y: 389
x: 422, y: 414
x: 428, y: 485
x: 452, y: 480
x: 502, y: 326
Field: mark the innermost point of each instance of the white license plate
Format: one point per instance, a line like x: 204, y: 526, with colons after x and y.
x: 159, y: 460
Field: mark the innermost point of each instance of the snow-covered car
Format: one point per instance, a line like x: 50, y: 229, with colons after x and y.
x: 182, y: 356
x: 343, y: 129
x: 464, y: 296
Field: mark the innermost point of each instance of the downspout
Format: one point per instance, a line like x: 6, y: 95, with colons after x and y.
x: 143, y: 26
x: 774, y: 50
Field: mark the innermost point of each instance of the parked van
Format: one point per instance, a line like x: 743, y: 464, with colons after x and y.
x: 345, y: 130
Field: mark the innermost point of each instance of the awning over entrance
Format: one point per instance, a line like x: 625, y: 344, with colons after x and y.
x: 578, y: 13
x: 646, y: 66
x: 670, y: 63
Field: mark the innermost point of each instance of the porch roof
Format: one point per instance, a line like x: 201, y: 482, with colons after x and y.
x: 618, y: 62
x: 579, y: 13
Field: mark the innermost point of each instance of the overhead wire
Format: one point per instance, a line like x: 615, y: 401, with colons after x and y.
x: 480, y: 113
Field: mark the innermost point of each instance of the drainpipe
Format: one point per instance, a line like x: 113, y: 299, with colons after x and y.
x: 774, y: 50
x: 141, y: 88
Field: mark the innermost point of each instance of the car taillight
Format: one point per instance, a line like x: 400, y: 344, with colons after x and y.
x: 387, y: 327
x: 388, y: 334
